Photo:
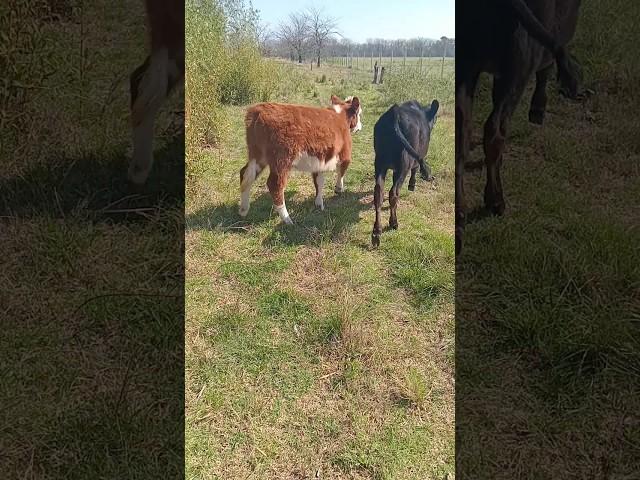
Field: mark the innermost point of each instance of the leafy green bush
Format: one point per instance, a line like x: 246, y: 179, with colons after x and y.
x: 223, y: 67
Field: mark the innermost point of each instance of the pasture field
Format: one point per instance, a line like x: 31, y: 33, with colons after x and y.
x: 548, y: 368
x: 92, y: 295
x: 306, y: 350
x: 430, y: 65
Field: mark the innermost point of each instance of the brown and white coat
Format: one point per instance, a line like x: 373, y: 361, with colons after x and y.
x: 295, y: 137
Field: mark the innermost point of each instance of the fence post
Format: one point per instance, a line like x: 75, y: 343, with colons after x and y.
x: 444, y: 54
x: 381, y: 74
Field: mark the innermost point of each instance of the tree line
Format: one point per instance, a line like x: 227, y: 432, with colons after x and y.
x: 311, y: 33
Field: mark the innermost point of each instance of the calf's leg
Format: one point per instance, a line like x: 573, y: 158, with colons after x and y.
x: 412, y: 179
x: 507, y: 92
x: 150, y: 85
x: 464, y: 103
x: 318, y: 181
x: 276, y: 183
x: 248, y: 174
x: 539, y: 99
x: 378, y: 197
x: 394, y: 195
x: 342, y: 169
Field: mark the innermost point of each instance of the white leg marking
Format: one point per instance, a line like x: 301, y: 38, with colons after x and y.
x: 248, y: 178
x: 320, y: 186
x: 340, y: 183
x: 284, y: 215
x: 152, y: 91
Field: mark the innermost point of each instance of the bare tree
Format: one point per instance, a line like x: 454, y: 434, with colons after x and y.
x: 264, y: 35
x: 295, y: 33
x: 321, y: 28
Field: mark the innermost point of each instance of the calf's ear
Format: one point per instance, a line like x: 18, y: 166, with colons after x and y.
x: 355, y: 103
x: 434, y: 108
x: 335, y: 100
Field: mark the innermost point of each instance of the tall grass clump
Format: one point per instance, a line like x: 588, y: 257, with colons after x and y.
x: 22, y: 24
x: 205, y: 59
x: 224, y: 67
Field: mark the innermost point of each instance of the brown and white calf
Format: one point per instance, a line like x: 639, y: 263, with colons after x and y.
x: 151, y: 82
x: 296, y: 137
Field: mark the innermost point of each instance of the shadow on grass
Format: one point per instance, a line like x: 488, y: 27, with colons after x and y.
x: 312, y: 226
x: 96, y: 186
x: 478, y: 214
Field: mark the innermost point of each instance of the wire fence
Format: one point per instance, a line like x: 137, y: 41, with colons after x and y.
x: 424, y: 65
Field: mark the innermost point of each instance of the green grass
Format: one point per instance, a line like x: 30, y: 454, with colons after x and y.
x: 307, y: 350
x: 430, y: 65
x: 92, y: 304
x: 547, y: 303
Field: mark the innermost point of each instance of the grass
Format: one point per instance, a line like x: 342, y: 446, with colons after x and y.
x: 92, y: 302
x: 547, y: 302
x: 306, y: 350
x: 430, y: 65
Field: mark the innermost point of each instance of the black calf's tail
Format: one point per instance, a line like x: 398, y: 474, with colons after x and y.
x: 405, y: 143
x: 568, y: 70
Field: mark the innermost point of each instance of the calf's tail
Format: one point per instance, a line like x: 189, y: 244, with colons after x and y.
x: 403, y: 140
x: 568, y: 70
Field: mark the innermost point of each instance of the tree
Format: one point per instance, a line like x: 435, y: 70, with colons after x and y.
x: 264, y: 38
x: 321, y: 27
x: 295, y: 33
x: 243, y: 21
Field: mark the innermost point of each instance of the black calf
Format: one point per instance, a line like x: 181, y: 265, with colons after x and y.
x: 401, y: 141
x: 511, y: 40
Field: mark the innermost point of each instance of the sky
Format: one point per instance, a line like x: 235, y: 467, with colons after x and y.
x: 362, y: 19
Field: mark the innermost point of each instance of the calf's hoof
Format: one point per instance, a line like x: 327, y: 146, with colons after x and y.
x: 393, y: 225
x: 494, y: 203
x: 375, y: 240
x: 339, y: 190
x: 496, y: 209
x: 411, y: 188
x: 243, y: 212
x: 536, y: 117
x: 137, y: 176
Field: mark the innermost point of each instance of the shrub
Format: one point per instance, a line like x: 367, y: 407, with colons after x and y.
x: 222, y: 69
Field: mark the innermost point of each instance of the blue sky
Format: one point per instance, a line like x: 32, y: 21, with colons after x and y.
x: 362, y: 19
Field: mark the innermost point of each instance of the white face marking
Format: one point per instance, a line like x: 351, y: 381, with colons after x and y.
x: 306, y: 163
x: 358, y: 126
x: 320, y: 186
x: 337, y: 108
x: 284, y: 215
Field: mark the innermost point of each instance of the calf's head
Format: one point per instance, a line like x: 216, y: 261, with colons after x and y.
x: 353, y: 109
